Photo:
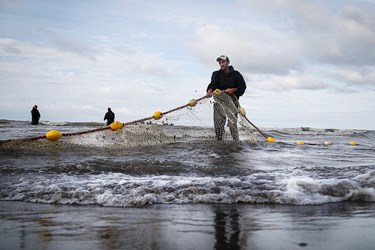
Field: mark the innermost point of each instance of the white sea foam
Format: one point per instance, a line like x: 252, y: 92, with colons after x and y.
x: 53, y: 123
x: 123, y: 190
x: 366, y: 179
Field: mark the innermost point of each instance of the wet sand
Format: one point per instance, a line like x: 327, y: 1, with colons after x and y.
x: 345, y: 225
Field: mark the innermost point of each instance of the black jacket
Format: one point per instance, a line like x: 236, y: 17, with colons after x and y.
x: 110, y: 117
x: 234, y: 79
x: 35, y: 116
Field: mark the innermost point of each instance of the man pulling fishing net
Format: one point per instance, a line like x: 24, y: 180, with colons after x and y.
x: 229, y: 85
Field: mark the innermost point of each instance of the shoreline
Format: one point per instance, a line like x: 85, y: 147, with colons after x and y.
x: 344, y: 225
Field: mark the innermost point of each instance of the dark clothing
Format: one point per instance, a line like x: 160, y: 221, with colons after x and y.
x: 234, y: 79
x: 35, y: 116
x: 225, y: 106
x: 110, y: 117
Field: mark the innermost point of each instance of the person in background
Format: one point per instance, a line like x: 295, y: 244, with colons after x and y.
x: 109, y: 116
x: 35, y: 115
x: 232, y: 84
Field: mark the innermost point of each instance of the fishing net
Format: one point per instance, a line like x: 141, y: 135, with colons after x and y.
x: 211, y: 119
x: 207, y: 119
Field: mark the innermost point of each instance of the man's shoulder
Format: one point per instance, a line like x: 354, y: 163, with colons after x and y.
x: 237, y: 73
x: 216, y: 75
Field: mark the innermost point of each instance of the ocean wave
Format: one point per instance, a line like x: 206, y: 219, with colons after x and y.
x: 73, y: 124
x: 119, y: 190
x: 158, y: 164
x: 318, y: 131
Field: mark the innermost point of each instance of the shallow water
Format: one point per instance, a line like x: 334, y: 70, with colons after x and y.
x: 184, y: 165
x: 170, y: 187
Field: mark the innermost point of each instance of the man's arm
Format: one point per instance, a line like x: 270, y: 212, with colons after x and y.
x: 213, y: 85
x: 241, y: 84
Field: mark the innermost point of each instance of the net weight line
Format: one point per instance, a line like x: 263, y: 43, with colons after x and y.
x: 157, y: 115
x: 114, y: 126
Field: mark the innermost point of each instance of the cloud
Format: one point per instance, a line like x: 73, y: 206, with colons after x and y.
x: 249, y: 50
x: 342, y: 36
x: 348, y: 41
x: 8, y: 46
x: 361, y: 77
x: 149, y: 63
x: 69, y: 44
x: 330, y: 46
x: 285, y: 83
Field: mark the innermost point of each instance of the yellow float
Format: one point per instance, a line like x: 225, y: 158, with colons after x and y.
x: 116, y: 125
x: 242, y: 111
x: 192, y: 102
x: 217, y: 92
x: 271, y: 140
x: 53, y: 135
x: 157, y: 115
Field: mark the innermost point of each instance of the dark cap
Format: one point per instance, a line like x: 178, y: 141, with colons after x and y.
x: 222, y: 58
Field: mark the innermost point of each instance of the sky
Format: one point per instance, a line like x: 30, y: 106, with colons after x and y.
x: 306, y: 63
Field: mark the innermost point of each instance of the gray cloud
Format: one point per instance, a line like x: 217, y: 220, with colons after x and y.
x: 363, y: 76
x: 250, y: 51
x: 286, y: 39
x: 69, y: 44
x: 9, y: 48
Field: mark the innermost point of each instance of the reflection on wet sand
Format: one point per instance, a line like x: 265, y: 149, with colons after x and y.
x: 227, y: 228
x: 44, y: 231
x: 236, y: 226
x: 109, y: 236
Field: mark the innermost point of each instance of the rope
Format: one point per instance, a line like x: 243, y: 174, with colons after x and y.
x: 99, y: 129
x: 2, y: 142
x: 266, y: 136
x: 183, y: 106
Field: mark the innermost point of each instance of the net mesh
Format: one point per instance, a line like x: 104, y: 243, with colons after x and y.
x: 217, y: 116
x: 208, y: 120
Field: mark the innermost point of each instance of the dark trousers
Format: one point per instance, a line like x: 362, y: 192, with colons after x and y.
x: 225, y: 109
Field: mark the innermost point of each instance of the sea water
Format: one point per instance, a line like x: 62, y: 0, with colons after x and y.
x: 91, y: 171
x: 100, y: 170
